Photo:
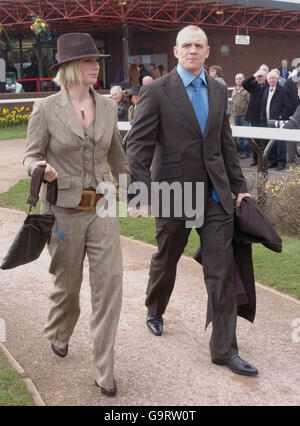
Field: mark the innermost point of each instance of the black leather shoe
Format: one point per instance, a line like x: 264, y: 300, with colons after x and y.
x: 60, y: 352
x: 280, y: 167
x: 253, y: 164
x: 106, y: 391
x: 237, y: 365
x: 155, y: 324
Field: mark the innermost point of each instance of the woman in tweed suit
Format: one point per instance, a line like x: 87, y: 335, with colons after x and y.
x: 75, y: 132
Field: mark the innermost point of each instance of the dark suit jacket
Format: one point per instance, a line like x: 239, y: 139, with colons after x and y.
x: 166, y: 135
x: 281, y: 72
x: 294, y: 122
x: 256, y: 92
x: 279, y: 107
x: 251, y: 225
x: 292, y: 92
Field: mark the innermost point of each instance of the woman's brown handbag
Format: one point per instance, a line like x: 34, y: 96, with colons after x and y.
x: 36, y: 229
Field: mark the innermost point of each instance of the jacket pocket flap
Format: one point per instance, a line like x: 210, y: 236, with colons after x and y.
x: 64, y: 182
x: 171, y: 157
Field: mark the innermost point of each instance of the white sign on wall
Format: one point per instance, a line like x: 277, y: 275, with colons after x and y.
x: 242, y: 39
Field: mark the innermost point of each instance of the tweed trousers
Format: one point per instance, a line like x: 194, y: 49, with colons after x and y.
x: 85, y: 233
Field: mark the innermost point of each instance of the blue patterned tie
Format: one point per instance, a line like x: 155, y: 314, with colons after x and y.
x: 201, y: 112
x: 199, y: 103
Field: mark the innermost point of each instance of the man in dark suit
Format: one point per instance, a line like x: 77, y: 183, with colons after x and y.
x: 275, y: 106
x: 181, y: 134
x: 284, y: 69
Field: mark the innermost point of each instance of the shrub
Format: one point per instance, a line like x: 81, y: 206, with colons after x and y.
x: 14, y: 117
x: 281, y: 200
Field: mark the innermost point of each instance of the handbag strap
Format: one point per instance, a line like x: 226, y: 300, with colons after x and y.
x: 35, y: 186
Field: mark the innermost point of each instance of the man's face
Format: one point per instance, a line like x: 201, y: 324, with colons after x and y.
x: 284, y: 64
x: 116, y: 95
x: 213, y: 73
x: 239, y: 79
x: 272, y: 80
x: 191, y: 51
x: 260, y: 79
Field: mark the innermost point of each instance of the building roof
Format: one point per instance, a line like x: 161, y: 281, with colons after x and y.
x: 293, y: 5
x: 149, y: 15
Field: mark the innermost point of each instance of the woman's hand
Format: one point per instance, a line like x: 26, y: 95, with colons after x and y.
x: 50, y: 173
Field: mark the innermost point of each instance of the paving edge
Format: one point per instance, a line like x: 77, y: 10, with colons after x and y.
x: 37, y: 399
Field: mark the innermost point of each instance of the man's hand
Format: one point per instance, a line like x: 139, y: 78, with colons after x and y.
x: 142, y: 211
x: 50, y: 173
x: 240, y: 196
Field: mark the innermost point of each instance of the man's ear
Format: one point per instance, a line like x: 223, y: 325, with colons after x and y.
x: 175, y: 51
x: 207, y: 52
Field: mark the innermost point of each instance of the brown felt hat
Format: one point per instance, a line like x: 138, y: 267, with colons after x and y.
x: 74, y: 46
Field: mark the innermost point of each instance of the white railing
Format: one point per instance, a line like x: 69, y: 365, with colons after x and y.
x: 268, y: 133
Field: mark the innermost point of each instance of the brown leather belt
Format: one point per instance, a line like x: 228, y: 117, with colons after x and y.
x: 88, y: 200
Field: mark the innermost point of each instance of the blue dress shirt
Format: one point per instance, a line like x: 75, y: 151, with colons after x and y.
x: 187, y: 79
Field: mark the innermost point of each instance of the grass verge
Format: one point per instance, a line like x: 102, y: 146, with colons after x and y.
x: 13, y: 391
x: 18, y: 132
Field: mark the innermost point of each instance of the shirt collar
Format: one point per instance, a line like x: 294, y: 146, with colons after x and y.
x: 187, y: 77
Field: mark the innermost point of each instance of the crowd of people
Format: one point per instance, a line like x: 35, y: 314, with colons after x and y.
x: 266, y: 95
x: 139, y: 76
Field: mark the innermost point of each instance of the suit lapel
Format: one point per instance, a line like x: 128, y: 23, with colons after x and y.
x: 213, y: 101
x: 66, y: 113
x: 177, y: 93
x: 100, y: 115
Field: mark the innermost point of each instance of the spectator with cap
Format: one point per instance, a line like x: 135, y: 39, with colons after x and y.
x: 134, y: 98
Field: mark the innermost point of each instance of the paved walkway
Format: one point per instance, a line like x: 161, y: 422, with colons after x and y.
x: 173, y: 369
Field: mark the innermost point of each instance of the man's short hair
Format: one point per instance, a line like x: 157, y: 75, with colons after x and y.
x: 218, y: 69
x: 191, y: 28
x: 116, y: 89
x: 272, y: 73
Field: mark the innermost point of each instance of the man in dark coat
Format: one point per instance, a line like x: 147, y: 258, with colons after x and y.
x: 181, y: 135
x: 255, y: 85
x: 284, y: 69
x: 275, y: 106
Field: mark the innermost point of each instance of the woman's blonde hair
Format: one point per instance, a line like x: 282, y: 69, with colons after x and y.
x: 68, y: 74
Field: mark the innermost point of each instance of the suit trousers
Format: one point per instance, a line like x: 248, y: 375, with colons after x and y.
x: 84, y: 233
x: 217, y: 258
